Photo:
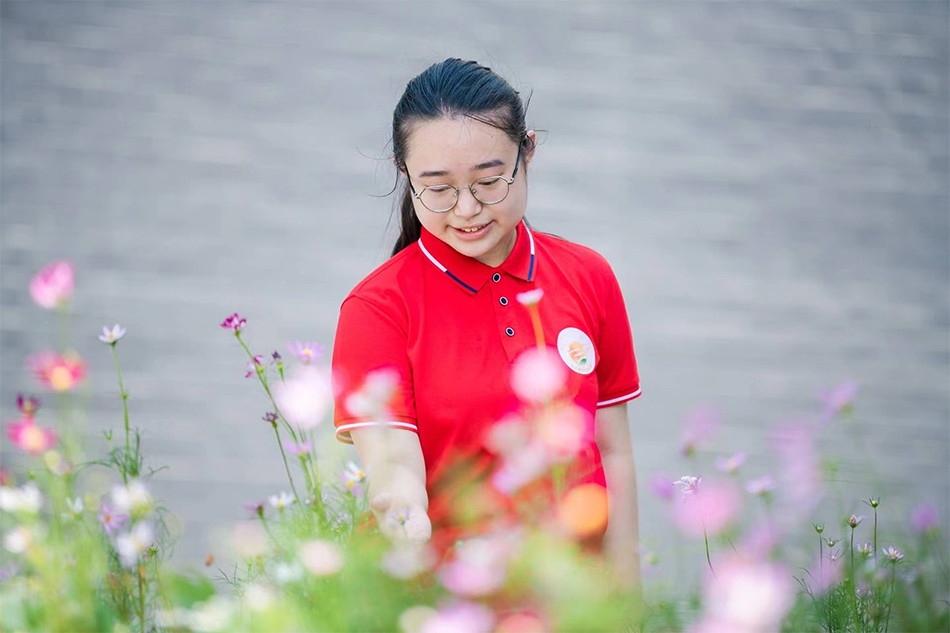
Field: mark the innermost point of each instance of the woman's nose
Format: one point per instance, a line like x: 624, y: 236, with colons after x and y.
x: 467, y: 205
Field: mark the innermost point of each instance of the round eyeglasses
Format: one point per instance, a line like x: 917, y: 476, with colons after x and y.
x: 443, y: 198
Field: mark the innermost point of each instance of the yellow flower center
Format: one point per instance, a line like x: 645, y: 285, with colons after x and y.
x: 33, y: 439
x: 61, y: 379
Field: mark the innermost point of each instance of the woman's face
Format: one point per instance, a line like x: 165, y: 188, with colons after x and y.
x: 459, y: 152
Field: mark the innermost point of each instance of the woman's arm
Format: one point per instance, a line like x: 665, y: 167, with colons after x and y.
x: 622, y: 539
x: 396, y: 478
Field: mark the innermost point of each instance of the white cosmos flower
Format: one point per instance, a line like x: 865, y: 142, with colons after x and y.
x: 24, y: 499
x: 131, y: 498
x: 133, y: 544
x: 18, y: 540
x: 321, y: 558
x: 112, y: 336
x: 281, y: 501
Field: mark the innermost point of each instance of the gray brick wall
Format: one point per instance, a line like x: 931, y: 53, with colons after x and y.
x: 768, y: 179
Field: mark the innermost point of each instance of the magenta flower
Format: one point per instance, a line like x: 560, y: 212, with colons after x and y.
x: 111, y: 520
x: 57, y: 372
x: 731, y: 464
x: 307, y: 352
x: 837, y: 400
x: 27, y: 436
x: 252, y: 366
x: 701, y: 425
x: 298, y: 449
x: 54, y: 285
x: 234, y: 323
x: 27, y: 406
x: 923, y: 518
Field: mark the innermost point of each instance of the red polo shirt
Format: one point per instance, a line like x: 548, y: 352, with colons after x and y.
x: 451, y: 326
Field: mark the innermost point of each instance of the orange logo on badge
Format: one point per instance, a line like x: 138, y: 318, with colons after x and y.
x: 576, y: 350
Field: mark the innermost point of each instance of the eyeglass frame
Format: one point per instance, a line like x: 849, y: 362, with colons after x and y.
x: 458, y: 191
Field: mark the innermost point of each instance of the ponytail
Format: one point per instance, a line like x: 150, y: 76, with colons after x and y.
x: 410, y: 229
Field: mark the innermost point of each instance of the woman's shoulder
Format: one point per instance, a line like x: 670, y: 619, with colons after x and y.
x: 385, y: 283
x: 584, y: 260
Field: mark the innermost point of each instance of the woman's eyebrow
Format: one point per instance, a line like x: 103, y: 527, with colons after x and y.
x: 495, y: 162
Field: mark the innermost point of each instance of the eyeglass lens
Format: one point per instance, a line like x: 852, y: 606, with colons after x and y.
x: 441, y: 198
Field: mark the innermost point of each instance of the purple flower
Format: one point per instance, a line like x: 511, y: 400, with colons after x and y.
x: 306, y: 352
x: 271, y: 418
x: 701, y: 425
x: 923, y: 518
x: 252, y: 367
x: 27, y: 406
x: 275, y: 357
x: 855, y: 521
x: 111, y: 520
x: 731, y: 465
x: 234, y: 323
x: 298, y: 449
x: 255, y: 507
x: 837, y: 400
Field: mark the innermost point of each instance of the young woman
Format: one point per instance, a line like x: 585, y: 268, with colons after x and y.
x: 441, y: 314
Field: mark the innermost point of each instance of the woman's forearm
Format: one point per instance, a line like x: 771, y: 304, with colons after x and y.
x: 622, y: 540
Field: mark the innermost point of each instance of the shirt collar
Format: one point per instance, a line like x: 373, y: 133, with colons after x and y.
x: 470, y: 274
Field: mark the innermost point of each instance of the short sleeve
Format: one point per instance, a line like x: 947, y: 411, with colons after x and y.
x: 372, y: 379
x: 617, y: 377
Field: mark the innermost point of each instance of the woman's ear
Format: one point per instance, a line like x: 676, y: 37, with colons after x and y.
x: 531, y: 144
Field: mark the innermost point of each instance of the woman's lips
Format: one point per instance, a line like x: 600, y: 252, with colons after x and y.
x: 472, y: 235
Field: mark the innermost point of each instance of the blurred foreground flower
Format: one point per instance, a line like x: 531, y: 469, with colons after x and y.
x: 298, y: 449
x: 28, y: 436
x: 24, y: 499
x: 708, y: 510
x: 304, y: 397
x: 353, y: 478
x: 538, y: 375
x: 923, y: 517
x: 460, y: 617
x: 700, y: 427
x: 18, y: 540
x: 321, y: 558
x: 53, y: 285
x: 57, y: 372
x: 746, y: 596
x: 134, y: 543
x: 112, y: 336
x: 254, y: 366
x: 731, y: 464
x: 373, y: 398
x: 131, y: 498
x: 27, y: 406
x: 307, y: 352
x: 838, y: 400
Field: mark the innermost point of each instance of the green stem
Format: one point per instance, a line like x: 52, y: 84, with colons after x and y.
x: 263, y: 380
x: 821, y: 555
x: 141, y: 609
x: 708, y: 559
x: 286, y: 466
x: 875, y: 537
x: 125, y: 414
x: 890, y: 602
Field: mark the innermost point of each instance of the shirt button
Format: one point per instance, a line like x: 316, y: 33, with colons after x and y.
x: 503, y: 301
x: 496, y: 277
x: 509, y: 331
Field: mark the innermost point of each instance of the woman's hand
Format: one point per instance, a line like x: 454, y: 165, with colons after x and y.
x: 395, y: 470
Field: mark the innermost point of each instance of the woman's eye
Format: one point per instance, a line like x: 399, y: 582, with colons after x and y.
x: 439, y: 188
x: 489, y: 182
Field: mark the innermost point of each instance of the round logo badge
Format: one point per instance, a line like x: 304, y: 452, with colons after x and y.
x: 576, y: 350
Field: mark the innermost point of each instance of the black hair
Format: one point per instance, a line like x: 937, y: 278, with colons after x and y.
x: 452, y: 88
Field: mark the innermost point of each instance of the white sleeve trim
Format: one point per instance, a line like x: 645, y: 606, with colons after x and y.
x: 629, y: 396
x: 343, y: 431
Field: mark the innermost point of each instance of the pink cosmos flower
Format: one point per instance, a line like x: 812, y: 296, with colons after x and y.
x: 747, y: 595
x: 29, y: 437
x: 234, y: 323
x: 111, y: 520
x: 520, y: 468
x: 923, y: 518
x: 307, y: 352
x: 867, y: 549
x: 460, y: 617
x: 731, y: 464
x: 564, y: 431
x: 27, y: 406
x: 538, y: 375
x: 708, y: 510
x: 374, y: 396
x: 689, y: 483
x: 855, y: 521
x: 54, y: 285
x: 893, y: 554
x: 800, y: 467
x: 507, y: 435
x: 701, y: 425
x: 837, y: 400
x: 298, y: 449
x: 531, y: 297
x: 304, y: 397
x: 253, y: 365
x: 59, y: 373
x: 479, y: 568
x: 760, y: 486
